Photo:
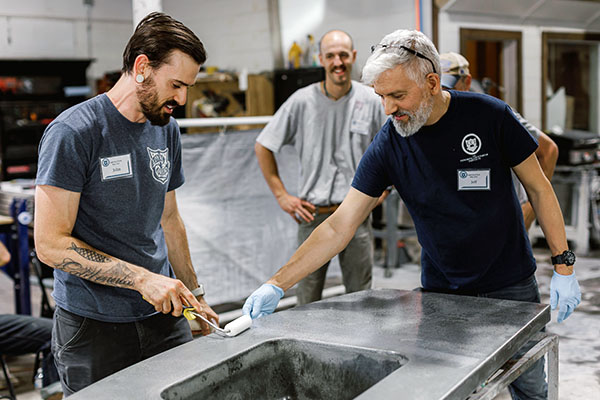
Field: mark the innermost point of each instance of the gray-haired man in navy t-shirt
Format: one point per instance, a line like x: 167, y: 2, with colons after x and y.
x: 449, y: 155
x: 106, y: 213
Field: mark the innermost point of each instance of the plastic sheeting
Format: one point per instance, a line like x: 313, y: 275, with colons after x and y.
x: 238, y: 234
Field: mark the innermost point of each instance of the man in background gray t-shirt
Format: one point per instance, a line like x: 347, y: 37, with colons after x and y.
x: 330, y: 124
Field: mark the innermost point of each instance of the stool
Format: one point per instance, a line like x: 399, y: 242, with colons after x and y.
x: 46, y: 308
x: 391, y: 233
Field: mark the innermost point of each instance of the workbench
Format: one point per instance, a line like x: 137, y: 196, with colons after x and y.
x: 578, y: 204
x: 396, y: 344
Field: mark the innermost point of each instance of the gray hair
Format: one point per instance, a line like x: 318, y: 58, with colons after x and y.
x: 384, y: 58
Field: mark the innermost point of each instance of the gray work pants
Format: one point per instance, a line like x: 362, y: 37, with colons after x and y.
x: 356, y: 262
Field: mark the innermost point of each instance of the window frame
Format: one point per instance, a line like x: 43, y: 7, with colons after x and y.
x: 548, y: 37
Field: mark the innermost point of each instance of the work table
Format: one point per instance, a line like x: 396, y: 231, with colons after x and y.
x: 443, y: 346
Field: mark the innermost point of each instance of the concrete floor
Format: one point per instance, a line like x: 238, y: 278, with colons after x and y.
x: 579, y: 335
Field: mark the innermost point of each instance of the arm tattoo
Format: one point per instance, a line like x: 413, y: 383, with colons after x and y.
x: 118, y: 275
x: 89, y: 254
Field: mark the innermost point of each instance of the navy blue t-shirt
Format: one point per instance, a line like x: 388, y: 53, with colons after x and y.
x: 473, y: 239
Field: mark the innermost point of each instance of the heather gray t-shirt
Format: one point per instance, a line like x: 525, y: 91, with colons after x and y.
x: 123, y: 171
x: 330, y: 137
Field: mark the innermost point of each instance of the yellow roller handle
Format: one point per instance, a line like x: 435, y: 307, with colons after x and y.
x: 188, y: 312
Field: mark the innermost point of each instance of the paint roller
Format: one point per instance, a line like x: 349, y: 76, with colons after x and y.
x: 233, y: 328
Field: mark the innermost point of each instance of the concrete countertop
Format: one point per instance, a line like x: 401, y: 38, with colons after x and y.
x: 452, y: 343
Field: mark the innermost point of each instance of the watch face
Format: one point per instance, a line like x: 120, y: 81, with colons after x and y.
x: 569, y: 257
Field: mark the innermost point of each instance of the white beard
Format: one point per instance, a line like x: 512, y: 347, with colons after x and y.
x: 415, y: 120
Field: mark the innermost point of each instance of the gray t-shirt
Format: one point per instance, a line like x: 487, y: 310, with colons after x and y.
x: 330, y: 137
x: 123, y: 171
x: 521, y: 193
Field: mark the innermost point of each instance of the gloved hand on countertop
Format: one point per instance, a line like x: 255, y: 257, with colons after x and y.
x: 263, y: 301
x: 564, y: 289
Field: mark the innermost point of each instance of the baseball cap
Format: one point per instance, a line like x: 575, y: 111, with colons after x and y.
x: 454, y: 66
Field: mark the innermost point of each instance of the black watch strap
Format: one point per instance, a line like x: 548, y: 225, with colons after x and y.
x: 567, y: 258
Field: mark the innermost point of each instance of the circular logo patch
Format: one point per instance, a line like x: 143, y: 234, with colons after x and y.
x: 105, y: 162
x: 471, y: 144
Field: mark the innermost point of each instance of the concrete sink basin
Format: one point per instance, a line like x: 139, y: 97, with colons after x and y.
x: 290, y: 369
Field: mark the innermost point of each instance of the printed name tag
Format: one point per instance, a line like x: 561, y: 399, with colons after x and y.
x: 116, y: 167
x: 359, y: 126
x: 474, y: 179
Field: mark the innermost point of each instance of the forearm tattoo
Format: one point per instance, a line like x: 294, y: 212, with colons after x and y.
x: 89, y: 254
x: 117, y: 275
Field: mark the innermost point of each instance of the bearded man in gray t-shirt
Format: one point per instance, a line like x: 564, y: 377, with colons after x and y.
x: 331, y: 124
x: 106, y: 215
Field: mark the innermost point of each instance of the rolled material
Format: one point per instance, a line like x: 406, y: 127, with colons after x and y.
x: 238, y: 325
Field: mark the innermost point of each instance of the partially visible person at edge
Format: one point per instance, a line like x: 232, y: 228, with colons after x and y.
x: 449, y: 154
x: 330, y: 123
x: 106, y: 212
x: 24, y: 334
x: 456, y: 75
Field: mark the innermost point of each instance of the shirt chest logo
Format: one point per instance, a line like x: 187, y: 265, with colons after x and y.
x: 471, y: 144
x: 159, y: 164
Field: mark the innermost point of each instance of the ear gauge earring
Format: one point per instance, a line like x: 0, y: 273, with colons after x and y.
x: 139, y: 78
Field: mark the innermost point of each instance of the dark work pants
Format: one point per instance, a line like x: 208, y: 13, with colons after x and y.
x: 87, y: 350
x: 24, y: 334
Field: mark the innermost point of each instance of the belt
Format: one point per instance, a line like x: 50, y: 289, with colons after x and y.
x: 326, y: 209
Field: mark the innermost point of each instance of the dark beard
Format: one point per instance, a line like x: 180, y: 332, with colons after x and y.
x: 148, y: 99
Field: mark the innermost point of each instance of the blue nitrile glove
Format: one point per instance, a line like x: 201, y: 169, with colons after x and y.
x: 564, y: 289
x: 263, y: 301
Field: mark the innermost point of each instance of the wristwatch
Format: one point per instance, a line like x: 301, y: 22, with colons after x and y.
x: 199, y: 291
x: 567, y: 258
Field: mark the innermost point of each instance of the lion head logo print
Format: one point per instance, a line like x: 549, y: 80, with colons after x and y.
x: 159, y: 164
x: 471, y: 144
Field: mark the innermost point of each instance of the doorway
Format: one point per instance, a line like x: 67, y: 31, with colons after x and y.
x: 495, y: 63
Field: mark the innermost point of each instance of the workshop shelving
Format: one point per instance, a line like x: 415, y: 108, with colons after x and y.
x: 32, y: 94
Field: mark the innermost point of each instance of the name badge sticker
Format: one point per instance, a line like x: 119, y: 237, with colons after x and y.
x: 359, y: 126
x: 116, y: 167
x: 474, y: 179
